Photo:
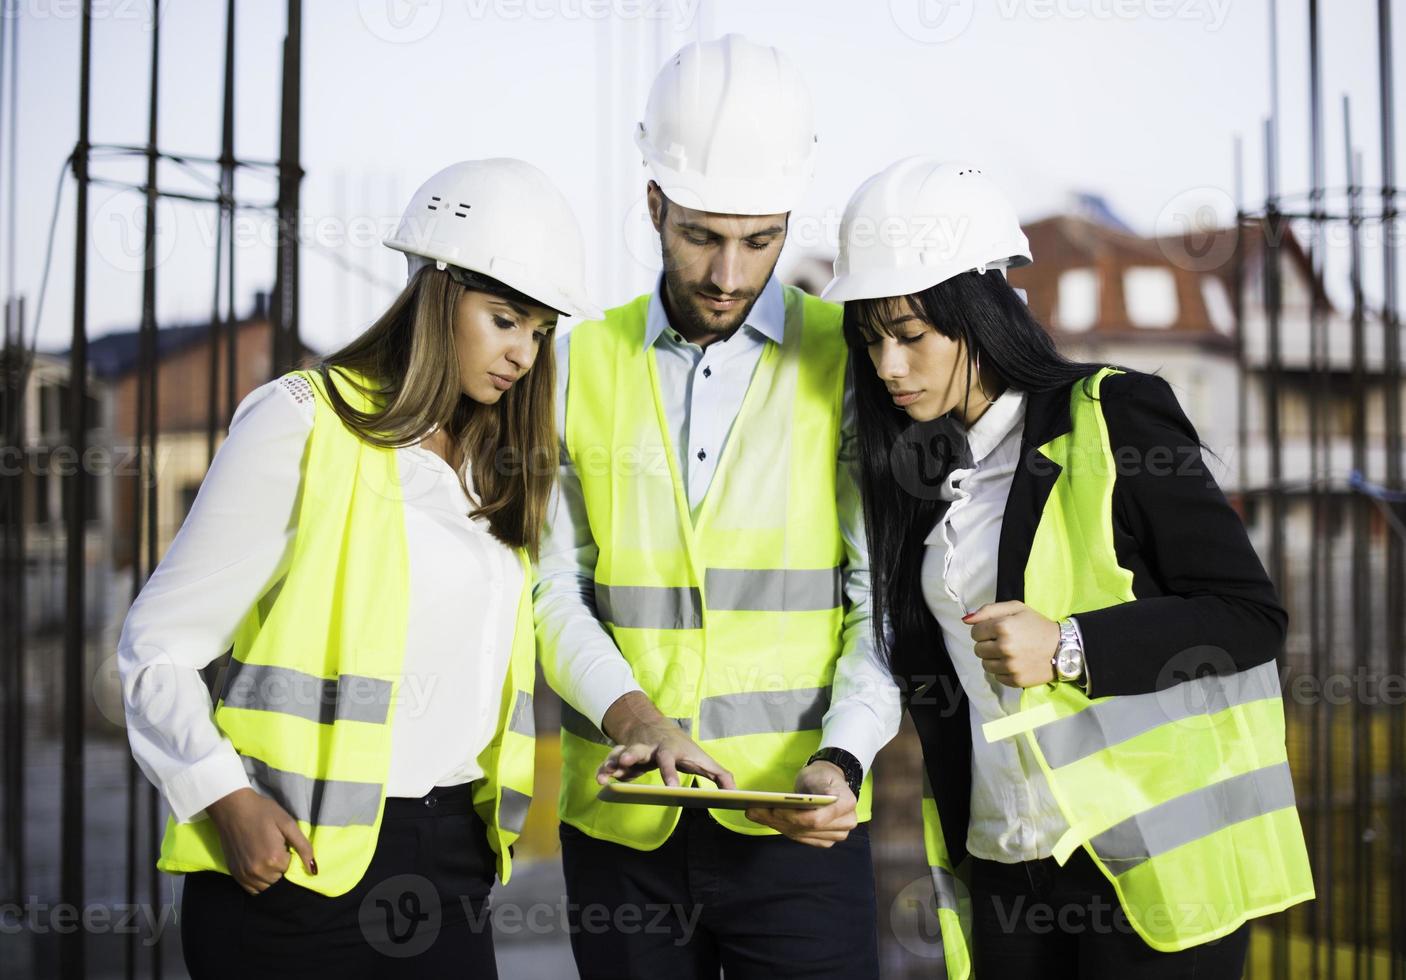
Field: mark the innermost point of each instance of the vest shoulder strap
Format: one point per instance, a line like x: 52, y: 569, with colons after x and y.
x: 354, y: 387
x: 818, y: 312
x: 622, y: 325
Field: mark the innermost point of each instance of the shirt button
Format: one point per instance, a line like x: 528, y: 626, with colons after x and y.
x: 678, y: 339
x: 707, y: 372
x: 702, y: 454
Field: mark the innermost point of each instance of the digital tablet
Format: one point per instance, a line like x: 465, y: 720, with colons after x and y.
x: 709, y: 796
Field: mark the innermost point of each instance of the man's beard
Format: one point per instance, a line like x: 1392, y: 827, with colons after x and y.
x: 692, y: 319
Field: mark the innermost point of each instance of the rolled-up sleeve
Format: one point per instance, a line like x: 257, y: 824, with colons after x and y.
x: 234, y: 546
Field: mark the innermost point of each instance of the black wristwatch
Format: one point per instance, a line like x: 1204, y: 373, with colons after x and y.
x: 849, y: 765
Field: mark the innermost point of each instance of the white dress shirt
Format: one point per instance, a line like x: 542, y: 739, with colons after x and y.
x: 1013, y: 816
x: 236, y: 545
x: 702, y: 390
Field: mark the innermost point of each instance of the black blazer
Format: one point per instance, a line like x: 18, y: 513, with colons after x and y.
x: 1204, y: 603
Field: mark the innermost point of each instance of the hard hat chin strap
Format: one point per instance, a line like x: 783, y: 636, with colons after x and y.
x: 414, y: 263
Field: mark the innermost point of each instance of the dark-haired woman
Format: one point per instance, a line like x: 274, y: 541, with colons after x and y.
x: 1084, y: 635
x: 362, y: 540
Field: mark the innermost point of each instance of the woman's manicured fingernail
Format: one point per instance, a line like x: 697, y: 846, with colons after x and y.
x: 313, y: 867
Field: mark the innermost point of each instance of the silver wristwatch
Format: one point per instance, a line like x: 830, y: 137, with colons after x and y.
x: 1068, y: 660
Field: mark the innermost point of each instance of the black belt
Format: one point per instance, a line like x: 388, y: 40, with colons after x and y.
x: 441, y: 801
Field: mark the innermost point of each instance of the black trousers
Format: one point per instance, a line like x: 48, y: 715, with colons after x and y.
x: 1037, y: 919
x: 710, y: 899
x: 421, y: 909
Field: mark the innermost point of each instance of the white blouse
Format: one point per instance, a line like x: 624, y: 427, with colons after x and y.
x: 236, y: 545
x: 1013, y: 816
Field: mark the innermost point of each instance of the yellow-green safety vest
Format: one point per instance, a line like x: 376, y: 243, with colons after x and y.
x: 733, y: 624
x: 310, y: 695
x: 951, y: 897
x: 1183, y: 797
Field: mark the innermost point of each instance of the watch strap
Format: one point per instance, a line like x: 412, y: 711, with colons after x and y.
x: 848, y: 764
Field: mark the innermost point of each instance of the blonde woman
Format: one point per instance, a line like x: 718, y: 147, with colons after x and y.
x: 362, y: 540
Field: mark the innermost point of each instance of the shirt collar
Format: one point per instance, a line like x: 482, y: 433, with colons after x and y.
x: 767, y: 317
x: 1005, y: 413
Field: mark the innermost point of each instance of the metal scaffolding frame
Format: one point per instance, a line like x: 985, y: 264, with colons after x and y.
x: 143, y: 803
x: 1361, y: 841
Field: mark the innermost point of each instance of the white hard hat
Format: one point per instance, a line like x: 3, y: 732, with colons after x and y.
x: 729, y: 128
x: 502, y: 218
x: 919, y: 222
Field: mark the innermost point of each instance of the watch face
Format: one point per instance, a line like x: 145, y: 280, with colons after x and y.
x: 1069, y: 663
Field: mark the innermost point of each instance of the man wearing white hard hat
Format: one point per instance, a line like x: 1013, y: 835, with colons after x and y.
x: 703, y: 600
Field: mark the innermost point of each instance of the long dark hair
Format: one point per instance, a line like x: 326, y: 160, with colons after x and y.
x: 902, y: 464
x: 409, y: 356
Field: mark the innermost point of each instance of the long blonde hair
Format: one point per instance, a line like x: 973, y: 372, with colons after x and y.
x: 409, y: 359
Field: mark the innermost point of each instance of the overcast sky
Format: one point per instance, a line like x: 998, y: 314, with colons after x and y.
x: 1136, y: 100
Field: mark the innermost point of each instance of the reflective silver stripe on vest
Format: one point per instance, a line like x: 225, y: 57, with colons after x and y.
x: 579, y: 725
x: 774, y: 589
x: 944, y: 886
x: 320, y: 802
x: 1194, y: 815
x: 650, y: 607
x: 762, y: 712
x: 512, y: 810
x: 1106, y: 723
x: 522, y: 720
x: 349, y: 697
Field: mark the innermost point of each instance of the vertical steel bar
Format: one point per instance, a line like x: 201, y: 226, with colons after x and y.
x: 16, y: 735
x: 286, y: 334
x: 212, y: 414
x: 14, y: 157
x: 149, y: 405
x: 11, y: 675
x: 71, y: 950
x: 130, y: 960
x: 1365, y: 662
x: 227, y: 164
x: 1322, y: 586
x: 12, y: 611
x: 1395, y: 559
x: 1237, y: 278
x: 16, y: 302
x: 1273, y: 230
